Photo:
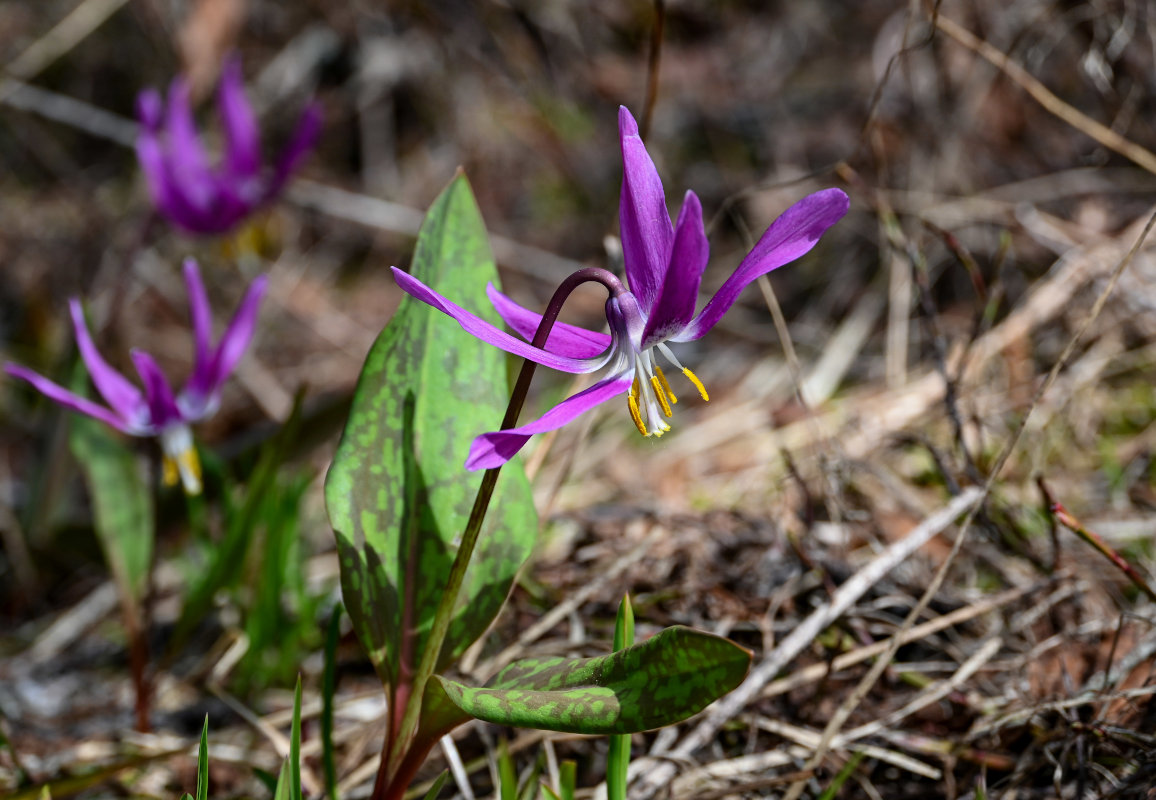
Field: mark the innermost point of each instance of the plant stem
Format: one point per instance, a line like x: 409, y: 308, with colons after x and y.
x: 618, y: 760
x: 395, y: 751
x: 138, y: 656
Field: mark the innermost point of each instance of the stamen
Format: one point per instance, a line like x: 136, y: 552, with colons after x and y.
x: 666, y: 351
x: 665, y: 385
x: 189, y: 464
x: 170, y: 473
x: 660, y: 395
x: 635, y: 413
x: 180, y: 461
x: 690, y: 376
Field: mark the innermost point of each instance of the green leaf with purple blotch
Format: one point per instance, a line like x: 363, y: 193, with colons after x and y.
x: 397, y: 493
x: 122, y: 504
x: 664, y: 680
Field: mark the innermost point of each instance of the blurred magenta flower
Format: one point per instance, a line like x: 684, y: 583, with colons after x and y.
x: 664, y: 265
x: 158, y: 412
x: 186, y: 189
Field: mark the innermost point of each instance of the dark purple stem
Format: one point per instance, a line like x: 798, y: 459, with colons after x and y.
x: 390, y: 777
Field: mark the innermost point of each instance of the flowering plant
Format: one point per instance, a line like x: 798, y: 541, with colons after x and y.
x: 158, y: 411
x: 664, y: 264
x: 189, y: 191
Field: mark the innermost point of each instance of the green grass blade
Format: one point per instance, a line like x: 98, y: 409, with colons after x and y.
x: 230, y: 556
x: 567, y: 779
x: 203, y: 763
x: 295, y: 746
x: 437, y: 785
x: 328, y: 690
x: 507, y: 775
x: 840, y: 779
x: 284, y: 789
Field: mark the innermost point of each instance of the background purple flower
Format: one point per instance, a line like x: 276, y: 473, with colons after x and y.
x: 664, y: 263
x: 186, y: 188
x: 157, y: 411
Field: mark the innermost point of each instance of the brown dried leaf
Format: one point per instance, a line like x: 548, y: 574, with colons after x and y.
x: 208, y: 34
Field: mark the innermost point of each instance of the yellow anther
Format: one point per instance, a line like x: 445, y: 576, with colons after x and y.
x: 665, y: 385
x: 190, y: 469
x: 690, y: 376
x: 635, y: 413
x: 183, y: 468
x: 170, y: 474
x: 661, y: 395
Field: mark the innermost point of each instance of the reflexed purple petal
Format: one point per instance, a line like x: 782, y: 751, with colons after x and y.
x: 150, y: 109
x: 243, y: 140
x: 58, y: 394
x: 476, y: 326
x: 187, y: 161
x: 237, y: 336
x: 202, y: 320
x: 308, y: 129
x: 162, y: 405
x: 674, y: 309
x: 166, y: 194
x: 646, y: 232
x: 790, y: 236
x: 494, y: 449
x: 124, y: 398
x: 565, y: 340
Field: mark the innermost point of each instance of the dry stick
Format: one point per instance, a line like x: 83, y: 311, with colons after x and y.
x: 854, y: 588
x: 817, y: 672
x: 1042, y: 95
x: 65, y: 35
x: 796, y: 370
x: 856, y: 697
x: 1069, y: 521
x: 652, y: 65
x: 845, y: 597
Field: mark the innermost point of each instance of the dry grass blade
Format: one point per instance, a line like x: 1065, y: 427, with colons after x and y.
x: 868, y: 681
x: 845, y: 597
x: 817, y: 672
x: 1044, y: 96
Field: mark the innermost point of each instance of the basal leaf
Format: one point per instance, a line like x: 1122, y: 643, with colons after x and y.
x: 397, y: 492
x: 664, y: 680
x: 122, y: 505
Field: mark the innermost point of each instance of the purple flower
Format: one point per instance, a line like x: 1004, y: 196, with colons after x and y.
x: 664, y: 265
x: 157, y: 411
x: 193, y: 194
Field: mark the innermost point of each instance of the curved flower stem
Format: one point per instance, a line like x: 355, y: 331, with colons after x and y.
x: 400, y: 744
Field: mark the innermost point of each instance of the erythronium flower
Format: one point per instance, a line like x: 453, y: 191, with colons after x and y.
x: 190, y: 192
x: 157, y: 411
x: 664, y: 265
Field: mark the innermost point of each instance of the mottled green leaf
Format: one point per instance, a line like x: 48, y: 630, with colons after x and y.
x: 664, y: 680
x: 122, y: 508
x: 397, y: 492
